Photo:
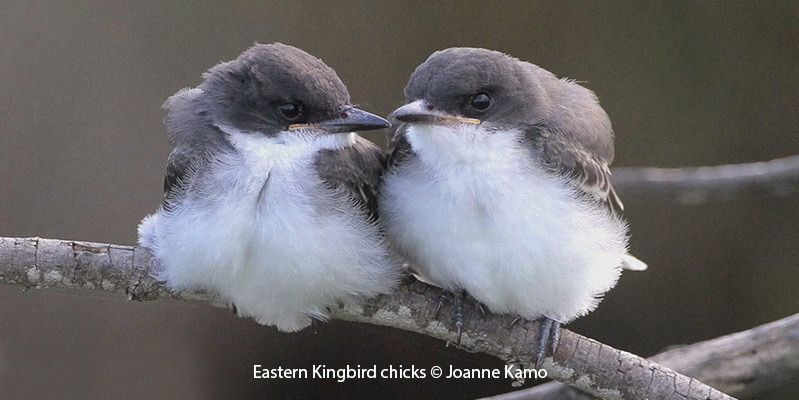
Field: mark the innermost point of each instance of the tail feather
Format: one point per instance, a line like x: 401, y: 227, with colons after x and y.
x: 629, y: 262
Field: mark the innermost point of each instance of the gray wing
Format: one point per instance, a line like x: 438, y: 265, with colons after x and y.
x: 357, y: 169
x: 576, y: 140
x: 180, y: 163
x: 399, y: 149
x: 588, y: 171
x: 194, y: 139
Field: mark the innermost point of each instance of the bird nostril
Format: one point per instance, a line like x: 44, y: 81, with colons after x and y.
x: 343, y: 114
x: 429, y: 107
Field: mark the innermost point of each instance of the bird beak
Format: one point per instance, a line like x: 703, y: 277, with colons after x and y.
x: 421, y: 112
x: 350, y: 119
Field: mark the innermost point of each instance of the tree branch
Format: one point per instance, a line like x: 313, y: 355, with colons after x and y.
x: 579, y: 361
x: 697, y: 184
x: 745, y: 363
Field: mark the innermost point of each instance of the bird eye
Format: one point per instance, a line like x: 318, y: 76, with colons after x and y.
x: 290, y: 111
x: 480, y: 101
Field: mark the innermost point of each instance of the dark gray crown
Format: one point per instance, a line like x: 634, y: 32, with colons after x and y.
x: 246, y: 92
x: 449, y: 78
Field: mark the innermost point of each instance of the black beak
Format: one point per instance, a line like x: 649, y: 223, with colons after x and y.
x: 421, y: 113
x: 350, y: 119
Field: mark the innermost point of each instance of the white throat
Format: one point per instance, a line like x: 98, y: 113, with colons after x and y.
x: 286, y: 145
x: 446, y: 146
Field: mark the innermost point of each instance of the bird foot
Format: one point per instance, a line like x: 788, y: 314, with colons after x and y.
x: 546, y: 339
x: 445, y: 294
x: 457, y: 305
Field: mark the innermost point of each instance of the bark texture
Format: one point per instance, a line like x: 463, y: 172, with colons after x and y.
x: 584, y: 363
x: 743, y: 364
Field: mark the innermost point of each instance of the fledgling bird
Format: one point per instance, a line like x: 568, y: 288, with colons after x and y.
x: 270, y: 198
x: 498, y: 185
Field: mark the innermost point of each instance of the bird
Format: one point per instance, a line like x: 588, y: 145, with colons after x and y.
x: 497, y: 185
x: 270, y: 198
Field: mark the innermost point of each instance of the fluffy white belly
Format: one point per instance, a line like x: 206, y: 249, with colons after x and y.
x: 281, y: 248
x: 474, y: 212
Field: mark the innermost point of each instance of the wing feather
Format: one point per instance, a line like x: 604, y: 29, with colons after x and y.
x: 399, y: 149
x: 192, y: 136
x: 356, y: 169
x: 576, y: 139
x: 589, y: 172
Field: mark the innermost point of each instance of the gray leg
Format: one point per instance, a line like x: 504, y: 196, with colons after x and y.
x: 546, y: 341
x: 457, y: 299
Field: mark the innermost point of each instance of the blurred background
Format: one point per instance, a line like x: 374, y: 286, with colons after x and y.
x: 83, y: 150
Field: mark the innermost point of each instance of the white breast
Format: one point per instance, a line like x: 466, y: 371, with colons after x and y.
x: 262, y: 231
x: 474, y: 211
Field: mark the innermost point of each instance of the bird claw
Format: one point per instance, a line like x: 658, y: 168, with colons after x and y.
x: 315, y: 325
x: 481, y: 308
x: 546, y: 340
x: 458, y: 304
x: 441, y: 298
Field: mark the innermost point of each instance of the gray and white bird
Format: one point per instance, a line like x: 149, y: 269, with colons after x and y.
x: 498, y: 185
x: 270, y: 198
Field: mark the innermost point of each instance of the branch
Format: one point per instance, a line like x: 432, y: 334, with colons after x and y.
x: 694, y: 185
x: 744, y: 364
x: 579, y: 361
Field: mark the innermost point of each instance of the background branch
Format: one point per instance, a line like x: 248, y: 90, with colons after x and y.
x: 696, y: 184
x: 579, y: 361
